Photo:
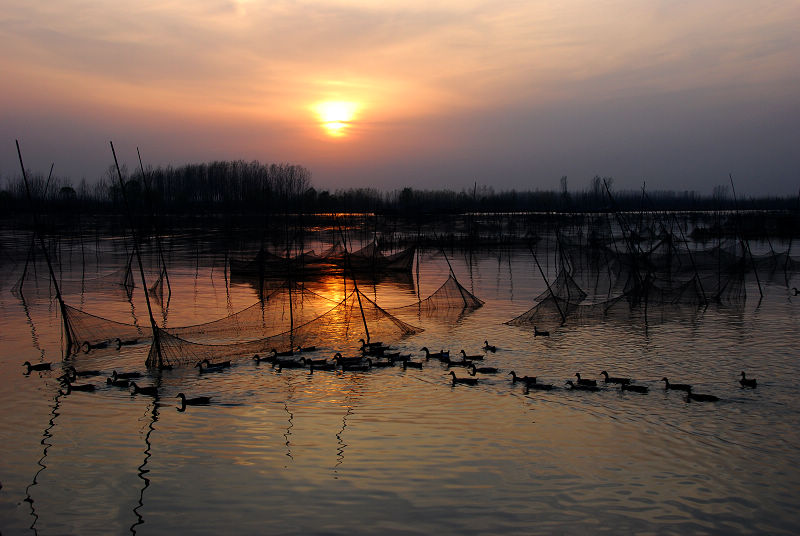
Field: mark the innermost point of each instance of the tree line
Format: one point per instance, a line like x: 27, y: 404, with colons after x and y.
x: 239, y: 187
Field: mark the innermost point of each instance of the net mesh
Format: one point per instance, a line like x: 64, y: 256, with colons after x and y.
x: 341, y: 328
x: 287, y: 305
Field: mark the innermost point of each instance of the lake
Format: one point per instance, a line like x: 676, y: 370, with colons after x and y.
x: 400, y: 451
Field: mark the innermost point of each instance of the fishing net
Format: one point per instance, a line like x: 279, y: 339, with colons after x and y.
x: 449, y: 303
x: 289, y: 304
x: 340, y: 329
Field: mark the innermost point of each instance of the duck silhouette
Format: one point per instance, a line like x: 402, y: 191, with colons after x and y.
x: 747, y: 382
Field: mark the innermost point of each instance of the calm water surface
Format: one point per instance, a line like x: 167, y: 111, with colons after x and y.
x: 390, y: 451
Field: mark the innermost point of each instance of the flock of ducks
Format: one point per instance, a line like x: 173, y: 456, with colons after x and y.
x: 373, y: 355
x: 117, y: 379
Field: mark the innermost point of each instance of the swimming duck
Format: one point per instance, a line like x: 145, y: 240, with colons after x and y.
x: 268, y: 359
x: 118, y: 383
x: 37, y: 366
x: 285, y: 353
x: 428, y: 355
x: 196, y: 401
x: 398, y: 357
x: 524, y: 379
x: 354, y: 367
x: 412, y: 364
x: 538, y: 386
x: 471, y: 357
x: 540, y: 333
x: 483, y: 370
x: 321, y: 366
x: 120, y: 343
x: 699, y: 397
x: 87, y: 346
x: 465, y: 381
x: 288, y: 363
x: 125, y: 375
x: 612, y: 379
x: 82, y: 373
x: 588, y: 383
x: 745, y: 382
x: 356, y: 360
x: 581, y: 386
x: 489, y: 347
x: 635, y: 388
x: 85, y: 387
x: 375, y: 344
x: 676, y: 386
x: 150, y: 390
x: 301, y: 349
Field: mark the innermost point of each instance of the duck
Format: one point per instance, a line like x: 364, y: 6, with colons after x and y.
x: 470, y: 357
x: 88, y: 347
x: 354, y: 367
x: 612, y: 379
x: 676, y: 386
x: 412, y: 364
x: 196, y: 401
x: 746, y: 382
x: 125, y: 375
x: 465, y: 381
x: 82, y: 373
x: 538, y: 386
x: 84, y: 387
x: 588, y: 383
x: 302, y: 349
x: 429, y: 355
x: 540, y: 333
x: 483, y: 370
x: 365, y: 344
x: 118, y: 383
x: 268, y: 359
x: 699, y: 397
x: 128, y: 342
x: 376, y: 351
x: 581, y: 386
x: 524, y: 379
x: 150, y: 390
x: 285, y: 353
x: 37, y: 366
x: 635, y: 388
x: 288, y: 363
x: 489, y: 347
x: 398, y: 357
x: 355, y: 360
x: 321, y: 366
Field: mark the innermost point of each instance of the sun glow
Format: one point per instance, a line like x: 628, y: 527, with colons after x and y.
x: 336, y: 117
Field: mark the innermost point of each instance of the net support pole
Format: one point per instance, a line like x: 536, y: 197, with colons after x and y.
x: 153, y: 326
x: 70, y: 342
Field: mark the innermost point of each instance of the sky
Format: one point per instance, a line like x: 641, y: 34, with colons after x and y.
x: 672, y: 94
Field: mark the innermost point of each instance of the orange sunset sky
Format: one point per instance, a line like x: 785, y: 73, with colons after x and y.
x: 434, y: 94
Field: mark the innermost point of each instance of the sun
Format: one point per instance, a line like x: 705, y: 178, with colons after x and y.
x: 336, y: 117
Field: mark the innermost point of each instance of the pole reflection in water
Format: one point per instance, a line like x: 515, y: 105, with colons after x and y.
x: 290, y: 425
x: 152, y: 411
x: 46, y: 435
x: 350, y: 402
